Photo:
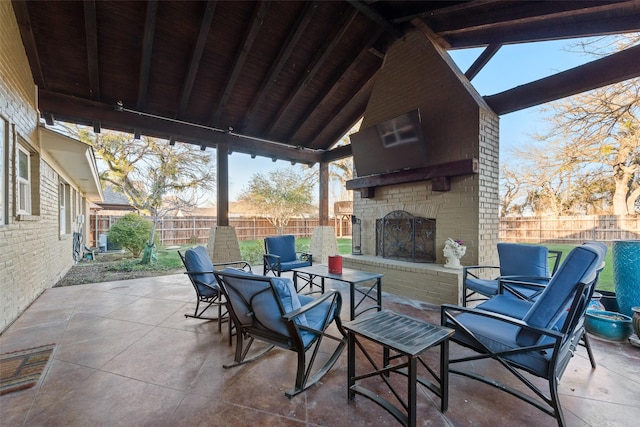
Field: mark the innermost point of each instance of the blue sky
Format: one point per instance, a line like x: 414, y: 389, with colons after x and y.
x: 512, y: 65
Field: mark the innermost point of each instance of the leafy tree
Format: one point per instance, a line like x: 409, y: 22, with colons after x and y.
x: 278, y: 196
x: 156, y: 177
x: 131, y: 232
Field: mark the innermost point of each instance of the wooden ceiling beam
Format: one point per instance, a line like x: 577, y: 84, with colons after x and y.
x: 288, y: 47
x: 590, y: 19
x: 21, y: 11
x: 147, y: 50
x: 91, y: 35
x: 85, y: 111
x: 316, y: 64
x: 337, y: 153
x: 423, y: 10
x: 494, y: 15
x: 611, y: 69
x: 378, y: 19
x: 332, y: 86
x: 353, y: 110
x: 259, y: 13
x: 482, y: 60
x: 196, y: 57
x: 93, y: 65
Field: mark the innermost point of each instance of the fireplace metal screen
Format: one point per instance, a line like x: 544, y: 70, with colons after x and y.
x: 402, y: 236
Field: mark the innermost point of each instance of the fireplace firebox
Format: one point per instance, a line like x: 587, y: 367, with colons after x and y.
x: 405, y: 237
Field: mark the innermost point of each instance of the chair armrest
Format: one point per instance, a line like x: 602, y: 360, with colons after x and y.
x: 271, y: 258
x: 213, y: 285
x: 530, y: 282
x: 332, y: 293
x: 242, y: 265
x: 446, y: 308
x: 304, y: 256
x: 470, y: 270
x: 557, y: 256
x: 198, y: 272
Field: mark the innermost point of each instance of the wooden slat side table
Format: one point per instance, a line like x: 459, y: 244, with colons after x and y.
x: 406, y: 337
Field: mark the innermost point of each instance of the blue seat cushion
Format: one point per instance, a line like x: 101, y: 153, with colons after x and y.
x: 290, y: 265
x: 197, y: 260
x: 507, y: 305
x: 485, y: 287
x: 501, y: 336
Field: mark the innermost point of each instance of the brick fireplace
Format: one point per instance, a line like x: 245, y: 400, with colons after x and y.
x: 458, y: 188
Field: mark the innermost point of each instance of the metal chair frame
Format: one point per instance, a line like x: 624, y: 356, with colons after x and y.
x: 561, y: 343
x: 246, y: 333
x: 273, y: 262
x: 216, y: 298
x: 470, y: 295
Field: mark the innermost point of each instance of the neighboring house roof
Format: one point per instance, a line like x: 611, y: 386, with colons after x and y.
x: 76, y: 159
x: 114, y: 200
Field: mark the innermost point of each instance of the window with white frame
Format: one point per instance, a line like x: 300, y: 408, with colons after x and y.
x: 63, y: 195
x: 24, y: 181
x: 4, y: 152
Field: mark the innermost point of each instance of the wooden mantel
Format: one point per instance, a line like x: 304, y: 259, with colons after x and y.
x: 440, y: 176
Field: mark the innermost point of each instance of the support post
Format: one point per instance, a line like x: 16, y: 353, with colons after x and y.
x: 323, y: 198
x: 222, y: 183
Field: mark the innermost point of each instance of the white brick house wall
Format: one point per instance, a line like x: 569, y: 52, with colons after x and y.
x: 33, y: 253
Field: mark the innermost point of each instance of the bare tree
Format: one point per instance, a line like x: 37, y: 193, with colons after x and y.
x: 590, y: 161
x: 511, y: 190
x: 156, y: 177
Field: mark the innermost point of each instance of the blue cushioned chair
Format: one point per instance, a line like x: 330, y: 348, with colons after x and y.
x: 518, y: 262
x: 280, y: 255
x: 269, y: 309
x: 531, y: 338
x: 200, y: 271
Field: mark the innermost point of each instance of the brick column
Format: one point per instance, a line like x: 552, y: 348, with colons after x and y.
x: 223, y: 244
x: 323, y: 244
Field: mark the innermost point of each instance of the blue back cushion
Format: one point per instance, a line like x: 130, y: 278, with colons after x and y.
x: 197, y: 259
x: 523, y: 260
x: 264, y: 307
x: 580, y: 266
x: 283, y: 246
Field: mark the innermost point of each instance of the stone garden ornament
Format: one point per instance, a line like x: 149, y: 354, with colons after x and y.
x: 453, y: 251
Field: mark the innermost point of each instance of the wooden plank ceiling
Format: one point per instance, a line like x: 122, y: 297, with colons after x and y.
x: 281, y: 79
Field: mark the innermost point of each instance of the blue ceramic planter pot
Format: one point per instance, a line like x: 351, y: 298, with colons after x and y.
x: 626, y: 274
x: 608, y: 325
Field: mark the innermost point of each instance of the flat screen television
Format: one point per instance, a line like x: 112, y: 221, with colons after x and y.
x: 389, y: 146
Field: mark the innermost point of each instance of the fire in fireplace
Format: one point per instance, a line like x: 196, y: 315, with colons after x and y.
x: 405, y: 237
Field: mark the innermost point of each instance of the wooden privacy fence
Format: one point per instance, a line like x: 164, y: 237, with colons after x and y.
x: 195, y: 230
x: 569, y: 229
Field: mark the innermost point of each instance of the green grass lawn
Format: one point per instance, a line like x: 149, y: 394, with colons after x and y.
x: 605, y: 282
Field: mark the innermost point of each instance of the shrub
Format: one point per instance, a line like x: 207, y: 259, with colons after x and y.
x: 131, y: 232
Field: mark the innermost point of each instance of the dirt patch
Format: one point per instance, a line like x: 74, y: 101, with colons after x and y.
x: 106, y: 268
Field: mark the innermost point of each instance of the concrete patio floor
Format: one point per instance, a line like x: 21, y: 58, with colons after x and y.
x: 127, y: 356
